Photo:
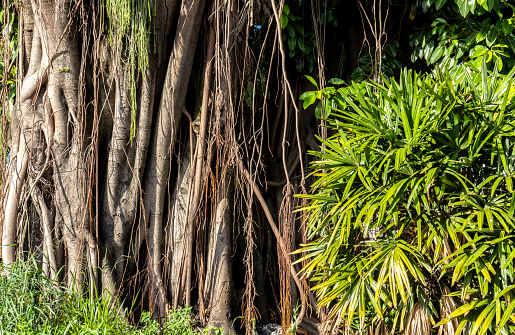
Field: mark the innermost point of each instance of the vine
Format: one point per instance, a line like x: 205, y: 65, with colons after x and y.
x: 130, y: 23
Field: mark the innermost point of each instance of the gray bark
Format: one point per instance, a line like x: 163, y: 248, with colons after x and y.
x: 177, y: 243
x: 125, y: 165
x: 219, y: 286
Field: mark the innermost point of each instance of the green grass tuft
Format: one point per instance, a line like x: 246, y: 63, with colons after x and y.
x: 31, y: 303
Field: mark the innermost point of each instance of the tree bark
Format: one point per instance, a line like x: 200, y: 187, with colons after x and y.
x: 177, y: 243
x: 219, y: 286
x: 125, y: 166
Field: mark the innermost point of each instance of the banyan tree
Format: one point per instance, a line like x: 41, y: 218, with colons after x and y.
x: 154, y: 147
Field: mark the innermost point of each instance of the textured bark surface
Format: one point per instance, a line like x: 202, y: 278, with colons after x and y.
x: 177, y: 243
x: 219, y: 286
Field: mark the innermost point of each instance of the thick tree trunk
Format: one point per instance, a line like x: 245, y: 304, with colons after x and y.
x: 199, y: 162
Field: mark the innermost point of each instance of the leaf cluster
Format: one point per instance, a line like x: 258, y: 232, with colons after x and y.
x: 455, y: 39
x: 9, y: 44
x: 449, y: 32
x: 301, y: 42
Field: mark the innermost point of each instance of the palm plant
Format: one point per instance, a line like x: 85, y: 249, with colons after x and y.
x: 411, y: 216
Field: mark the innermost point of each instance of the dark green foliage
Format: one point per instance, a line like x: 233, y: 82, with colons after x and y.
x: 298, y: 38
x: 453, y: 38
x: 448, y: 32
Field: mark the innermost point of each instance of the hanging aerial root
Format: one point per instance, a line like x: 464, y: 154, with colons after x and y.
x: 47, y: 220
x: 16, y: 182
x: 198, y: 176
x: 250, y: 312
x: 277, y: 235
x: 286, y: 225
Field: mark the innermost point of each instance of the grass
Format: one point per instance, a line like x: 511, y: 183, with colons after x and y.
x: 30, y: 303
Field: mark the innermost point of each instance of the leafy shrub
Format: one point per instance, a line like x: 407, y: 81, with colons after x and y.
x: 412, y: 214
